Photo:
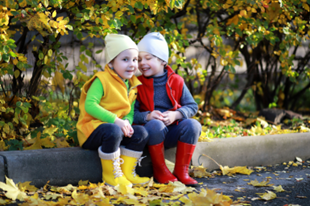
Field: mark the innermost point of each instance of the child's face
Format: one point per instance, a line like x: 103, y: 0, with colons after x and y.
x: 150, y: 65
x: 125, y: 63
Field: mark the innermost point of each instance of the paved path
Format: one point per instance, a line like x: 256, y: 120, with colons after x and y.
x: 294, y: 180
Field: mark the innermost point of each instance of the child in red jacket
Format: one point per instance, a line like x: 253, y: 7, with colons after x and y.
x: 165, y: 106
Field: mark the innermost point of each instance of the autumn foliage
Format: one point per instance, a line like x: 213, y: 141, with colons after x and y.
x: 40, y: 89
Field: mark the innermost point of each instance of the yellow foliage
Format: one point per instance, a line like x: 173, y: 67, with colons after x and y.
x: 199, y: 172
x: 61, y: 143
x: 3, y: 147
x: 234, y: 20
x: 12, y: 191
x: 39, y: 22
x: 58, y: 80
x: 209, y: 197
x: 278, y: 188
x: 268, y: 195
x: 255, y: 183
x: 38, y: 143
x: 25, y: 186
x: 273, y: 11
x: 237, y: 169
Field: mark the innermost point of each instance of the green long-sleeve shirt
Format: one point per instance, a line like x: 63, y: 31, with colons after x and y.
x: 92, y: 107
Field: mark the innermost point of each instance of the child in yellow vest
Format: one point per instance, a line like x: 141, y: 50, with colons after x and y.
x: 106, y: 114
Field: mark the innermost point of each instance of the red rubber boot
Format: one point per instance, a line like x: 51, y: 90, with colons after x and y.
x: 160, y: 171
x: 183, y: 157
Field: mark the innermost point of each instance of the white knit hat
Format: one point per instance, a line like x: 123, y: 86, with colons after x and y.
x: 115, y: 44
x: 155, y: 44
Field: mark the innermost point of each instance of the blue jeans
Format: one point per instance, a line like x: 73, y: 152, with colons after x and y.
x: 110, y: 137
x: 187, y: 131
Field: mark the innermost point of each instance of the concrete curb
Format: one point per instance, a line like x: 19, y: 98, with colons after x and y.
x: 62, y: 166
x: 252, y: 151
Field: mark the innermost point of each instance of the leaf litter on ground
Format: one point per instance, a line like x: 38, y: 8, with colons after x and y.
x: 87, y: 193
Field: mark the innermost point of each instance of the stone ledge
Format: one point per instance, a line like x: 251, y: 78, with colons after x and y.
x: 253, y: 150
x: 62, y: 166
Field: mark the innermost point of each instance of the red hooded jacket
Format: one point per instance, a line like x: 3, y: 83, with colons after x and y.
x: 174, y: 88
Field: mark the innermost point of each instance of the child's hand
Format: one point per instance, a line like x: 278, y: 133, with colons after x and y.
x: 125, y: 127
x: 155, y: 115
x: 171, y: 116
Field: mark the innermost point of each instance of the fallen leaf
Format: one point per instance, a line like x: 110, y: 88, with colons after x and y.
x: 180, y: 187
x: 79, y: 198
x: 209, y: 197
x: 124, y: 189
x: 260, y: 184
x: 26, y: 187
x: 278, y: 188
x: 230, y: 171
x: 301, y: 197
x: 199, y: 172
x: 12, y: 191
x: 238, y: 169
x: 268, y: 195
x: 170, y: 165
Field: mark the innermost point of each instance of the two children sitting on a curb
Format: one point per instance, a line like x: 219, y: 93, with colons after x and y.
x: 158, y: 102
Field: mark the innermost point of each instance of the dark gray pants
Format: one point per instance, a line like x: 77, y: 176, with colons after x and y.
x: 110, y: 137
x: 186, y: 130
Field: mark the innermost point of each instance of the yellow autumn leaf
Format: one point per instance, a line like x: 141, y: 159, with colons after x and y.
x: 54, y: 14
x: 52, y: 196
x: 199, y: 172
x: 39, y: 22
x: 255, y: 183
x: 4, y: 202
x: 65, y: 189
x: 15, y: 61
x: 267, y: 196
x: 12, y: 191
x: 231, y: 76
x: 230, y: 171
x: 58, y: 80
x: 25, y: 186
x: 209, y: 197
x: 36, y: 144
x: 23, y: 3
x: 141, y: 191
x: 46, y: 142
x: 180, y: 187
x: 166, y: 188
x: 186, y: 201
x: 83, y: 182
x: 61, y: 143
x: 273, y: 11
x: 306, y: 6
x: 82, y: 66
x: 79, y: 198
x: 234, y: 170
x: 3, y: 147
x: 278, y: 188
x: 130, y: 200
x: 50, y: 131
x: 234, y: 20
x: 16, y: 73
x: 170, y: 165
x: 124, y: 189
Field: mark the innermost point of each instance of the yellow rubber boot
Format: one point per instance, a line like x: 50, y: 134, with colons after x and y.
x: 111, y: 171
x: 131, y: 159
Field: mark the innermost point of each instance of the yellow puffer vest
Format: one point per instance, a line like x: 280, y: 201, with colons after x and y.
x: 116, y: 99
